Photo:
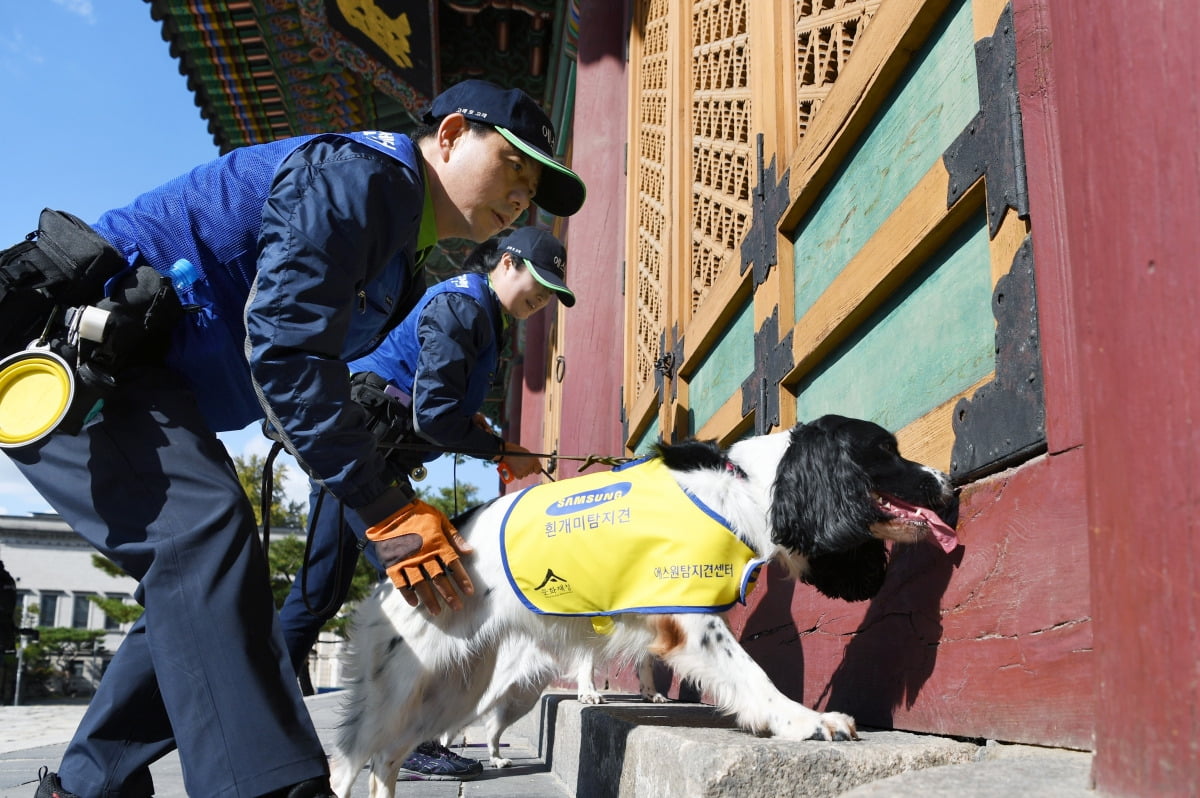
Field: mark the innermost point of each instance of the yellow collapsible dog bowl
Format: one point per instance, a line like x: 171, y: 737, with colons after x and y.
x: 36, y: 390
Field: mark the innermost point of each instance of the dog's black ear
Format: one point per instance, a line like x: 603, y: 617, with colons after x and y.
x: 821, y: 501
x: 854, y: 575
x: 691, y: 455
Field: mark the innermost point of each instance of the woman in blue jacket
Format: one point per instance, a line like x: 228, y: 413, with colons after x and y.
x: 430, y: 378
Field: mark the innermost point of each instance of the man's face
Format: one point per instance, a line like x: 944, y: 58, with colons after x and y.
x: 490, y: 181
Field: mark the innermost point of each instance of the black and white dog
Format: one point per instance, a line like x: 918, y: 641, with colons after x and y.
x: 820, y: 499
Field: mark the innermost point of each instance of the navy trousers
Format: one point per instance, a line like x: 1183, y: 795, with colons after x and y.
x: 320, y: 587
x: 204, y: 669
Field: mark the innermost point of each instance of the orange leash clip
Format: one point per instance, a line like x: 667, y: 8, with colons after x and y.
x: 506, y: 474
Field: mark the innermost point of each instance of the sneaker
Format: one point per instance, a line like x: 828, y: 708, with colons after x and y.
x: 50, y: 787
x: 435, y: 762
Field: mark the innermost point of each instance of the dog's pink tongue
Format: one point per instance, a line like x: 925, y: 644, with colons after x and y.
x: 942, y: 532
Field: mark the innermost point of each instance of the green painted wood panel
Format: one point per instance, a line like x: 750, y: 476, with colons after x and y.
x: 648, y: 439
x: 934, y: 100
x: 723, y: 369
x: 933, y: 339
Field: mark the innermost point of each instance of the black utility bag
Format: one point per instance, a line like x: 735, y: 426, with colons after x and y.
x: 64, y: 263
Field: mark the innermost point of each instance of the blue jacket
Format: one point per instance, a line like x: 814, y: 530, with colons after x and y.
x: 444, y: 355
x: 307, y: 249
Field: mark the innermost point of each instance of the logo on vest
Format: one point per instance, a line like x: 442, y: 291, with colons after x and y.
x: 383, y: 138
x: 553, y: 585
x: 589, y: 498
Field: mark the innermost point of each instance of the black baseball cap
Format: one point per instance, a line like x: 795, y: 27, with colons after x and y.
x: 544, y: 256
x: 521, y: 121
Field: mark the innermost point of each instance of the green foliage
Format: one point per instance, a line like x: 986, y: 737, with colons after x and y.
x: 450, y: 501
x: 285, y: 555
x: 62, y: 642
x: 46, y: 659
x: 284, y: 513
x: 116, y: 609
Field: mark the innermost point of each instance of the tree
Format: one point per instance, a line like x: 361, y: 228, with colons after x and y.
x: 50, y: 655
x: 450, y: 501
x: 116, y: 609
x: 284, y: 512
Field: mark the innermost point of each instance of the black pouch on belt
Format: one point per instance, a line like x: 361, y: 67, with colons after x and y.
x: 389, y: 419
x: 62, y: 263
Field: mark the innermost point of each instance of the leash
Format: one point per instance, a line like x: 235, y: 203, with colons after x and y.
x: 587, y: 461
x: 268, y: 491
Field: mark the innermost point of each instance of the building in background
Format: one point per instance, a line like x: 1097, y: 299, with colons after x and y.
x: 55, y: 584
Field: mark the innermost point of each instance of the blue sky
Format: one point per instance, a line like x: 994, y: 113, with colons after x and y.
x: 95, y: 112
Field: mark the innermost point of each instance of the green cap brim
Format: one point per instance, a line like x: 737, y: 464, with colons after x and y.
x: 560, y: 191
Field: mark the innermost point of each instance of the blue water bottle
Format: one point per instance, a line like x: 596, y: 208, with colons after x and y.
x: 183, y: 274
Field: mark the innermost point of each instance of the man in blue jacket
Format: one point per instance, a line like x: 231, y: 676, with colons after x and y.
x: 304, y: 253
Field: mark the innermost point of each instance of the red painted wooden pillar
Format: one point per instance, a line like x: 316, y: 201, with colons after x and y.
x: 1126, y: 76
x: 591, y: 369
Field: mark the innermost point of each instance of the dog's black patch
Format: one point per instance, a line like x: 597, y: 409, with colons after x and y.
x: 691, y: 455
x: 394, y: 643
x: 854, y: 575
x: 821, y: 502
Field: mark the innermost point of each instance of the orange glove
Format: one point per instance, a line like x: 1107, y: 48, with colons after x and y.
x: 417, y: 545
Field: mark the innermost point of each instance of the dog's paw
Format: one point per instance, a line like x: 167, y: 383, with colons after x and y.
x: 590, y: 697
x: 499, y: 762
x: 654, y: 697
x: 835, y: 727
x: 809, y: 725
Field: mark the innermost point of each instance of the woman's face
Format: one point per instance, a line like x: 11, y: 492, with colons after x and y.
x: 518, y: 291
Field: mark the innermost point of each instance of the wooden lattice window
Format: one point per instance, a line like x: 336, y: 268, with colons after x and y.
x: 826, y: 32
x: 722, y: 150
x: 651, y: 198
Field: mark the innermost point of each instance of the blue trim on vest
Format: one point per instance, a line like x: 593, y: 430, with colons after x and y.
x: 504, y: 551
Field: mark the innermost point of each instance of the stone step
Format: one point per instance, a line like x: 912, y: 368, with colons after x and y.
x: 627, y: 748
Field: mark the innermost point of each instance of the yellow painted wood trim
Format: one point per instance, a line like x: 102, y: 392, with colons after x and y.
x: 911, y: 234
x: 727, y: 424
x: 713, y: 317
x: 1003, y: 248
x: 984, y: 16
x: 632, y: 153
x: 930, y: 438
x: 899, y: 29
x: 770, y: 115
x: 641, y: 414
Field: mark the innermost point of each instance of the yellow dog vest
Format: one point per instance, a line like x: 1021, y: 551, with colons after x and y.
x: 626, y: 540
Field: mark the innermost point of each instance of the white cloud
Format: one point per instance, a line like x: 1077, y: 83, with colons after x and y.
x: 80, y: 8
x: 16, y: 53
